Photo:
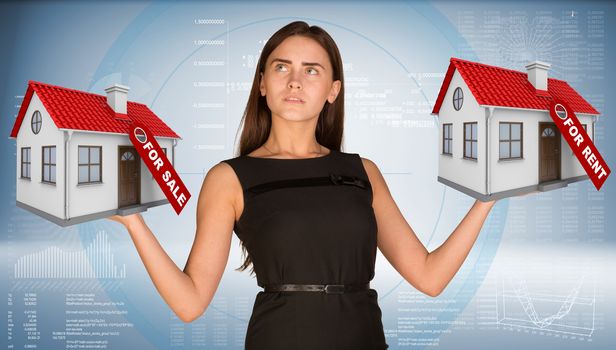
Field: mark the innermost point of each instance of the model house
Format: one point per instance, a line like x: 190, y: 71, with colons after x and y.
x: 496, y: 136
x: 75, y: 162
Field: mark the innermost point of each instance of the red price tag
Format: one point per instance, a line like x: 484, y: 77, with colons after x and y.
x: 582, y: 146
x: 160, y: 167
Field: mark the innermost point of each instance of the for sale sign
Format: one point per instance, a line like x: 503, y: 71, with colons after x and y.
x: 582, y: 146
x: 160, y: 167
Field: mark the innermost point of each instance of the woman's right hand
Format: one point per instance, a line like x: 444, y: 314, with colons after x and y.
x: 128, y: 220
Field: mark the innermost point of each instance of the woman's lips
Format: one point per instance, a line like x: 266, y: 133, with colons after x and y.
x: 293, y: 100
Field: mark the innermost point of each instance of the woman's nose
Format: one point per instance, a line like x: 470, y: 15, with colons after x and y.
x: 295, y: 80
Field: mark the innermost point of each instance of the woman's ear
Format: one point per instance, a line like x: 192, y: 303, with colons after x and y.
x: 333, y: 92
x: 261, y: 84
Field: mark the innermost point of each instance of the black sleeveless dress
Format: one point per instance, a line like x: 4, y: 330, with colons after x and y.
x: 310, y: 221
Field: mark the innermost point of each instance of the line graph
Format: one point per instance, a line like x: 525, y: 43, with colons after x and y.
x: 570, y: 312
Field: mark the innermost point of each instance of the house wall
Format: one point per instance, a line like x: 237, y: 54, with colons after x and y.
x: 35, y: 193
x: 466, y: 172
x: 517, y: 173
x: 92, y: 198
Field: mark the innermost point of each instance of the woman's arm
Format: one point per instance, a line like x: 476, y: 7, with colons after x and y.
x: 188, y: 293
x: 428, y: 272
x: 443, y: 262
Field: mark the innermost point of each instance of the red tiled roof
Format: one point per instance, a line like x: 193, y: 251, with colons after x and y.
x: 79, y: 110
x: 496, y: 86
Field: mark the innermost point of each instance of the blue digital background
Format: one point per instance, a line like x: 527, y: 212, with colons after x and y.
x: 559, y: 243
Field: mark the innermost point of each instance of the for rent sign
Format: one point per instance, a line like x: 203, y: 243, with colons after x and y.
x: 160, y: 167
x: 582, y: 146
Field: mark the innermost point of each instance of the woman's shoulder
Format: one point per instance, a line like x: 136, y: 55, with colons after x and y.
x: 370, y: 167
x: 367, y: 163
x: 222, y: 184
x: 222, y: 174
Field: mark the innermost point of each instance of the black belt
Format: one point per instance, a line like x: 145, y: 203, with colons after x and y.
x: 327, y: 288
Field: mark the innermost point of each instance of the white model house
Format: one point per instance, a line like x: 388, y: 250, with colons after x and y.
x: 75, y: 162
x: 496, y: 137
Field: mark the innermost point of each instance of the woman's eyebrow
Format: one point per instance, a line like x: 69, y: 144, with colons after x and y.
x: 303, y: 63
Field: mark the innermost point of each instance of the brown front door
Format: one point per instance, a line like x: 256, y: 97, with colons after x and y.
x: 549, y: 152
x: 129, y: 176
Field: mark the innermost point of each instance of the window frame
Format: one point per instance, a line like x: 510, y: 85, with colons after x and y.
x: 28, y: 163
x: 471, y: 140
x: 39, y: 122
x: 459, y: 98
x: 50, y: 164
x: 89, y: 165
x: 449, y: 139
x: 510, y: 141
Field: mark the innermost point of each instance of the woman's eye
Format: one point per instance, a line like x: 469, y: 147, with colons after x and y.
x: 281, y: 68
x: 312, y: 71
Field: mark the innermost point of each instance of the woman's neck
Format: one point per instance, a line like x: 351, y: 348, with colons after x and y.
x: 293, y: 139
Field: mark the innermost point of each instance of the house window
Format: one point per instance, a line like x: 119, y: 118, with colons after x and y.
x: 36, y: 122
x: 90, y: 164
x: 548, y: 132
x: 25, y: 162
x: 447, y: 137
x: 127, y: 156
x: 458, y: 98
x: 510, y: 140
x: 49, y: 164
x: 470, y: 140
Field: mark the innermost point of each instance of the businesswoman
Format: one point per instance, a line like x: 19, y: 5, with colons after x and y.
x: 310, y: 217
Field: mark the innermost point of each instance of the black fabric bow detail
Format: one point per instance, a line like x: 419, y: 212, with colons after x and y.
x: 347, y: 180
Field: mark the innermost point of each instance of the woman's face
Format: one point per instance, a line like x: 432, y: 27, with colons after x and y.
x: 298, y: 79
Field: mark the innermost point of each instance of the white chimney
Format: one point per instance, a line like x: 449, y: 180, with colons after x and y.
x: 117, y: 97
x: 538, y: 74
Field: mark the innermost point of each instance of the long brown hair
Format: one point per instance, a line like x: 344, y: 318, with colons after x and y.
x: 257, y: 119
